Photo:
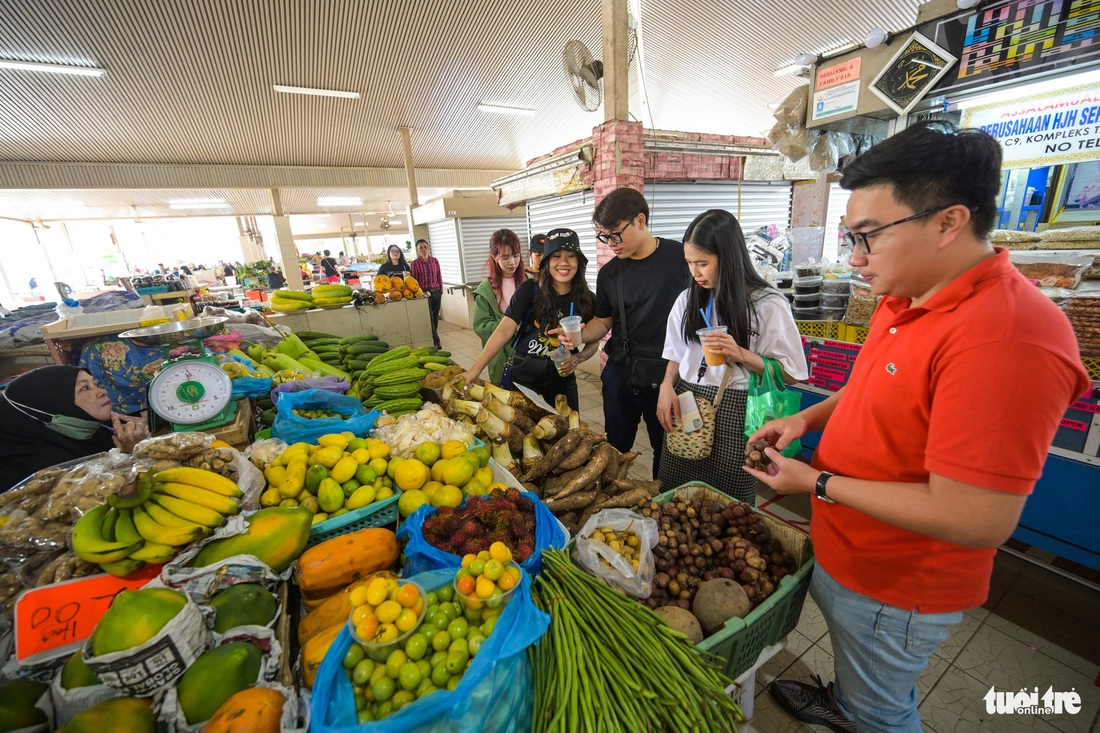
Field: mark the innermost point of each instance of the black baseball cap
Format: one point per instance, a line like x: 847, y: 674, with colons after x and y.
x: 538, y: 243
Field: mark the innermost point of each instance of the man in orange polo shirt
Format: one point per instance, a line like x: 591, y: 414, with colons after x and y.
x: 930, y: 450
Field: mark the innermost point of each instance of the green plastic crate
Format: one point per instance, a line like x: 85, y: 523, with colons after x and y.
x: 378, y: 514
x: 740, y: 641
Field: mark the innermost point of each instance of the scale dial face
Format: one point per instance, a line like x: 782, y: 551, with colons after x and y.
x: 190, y: 392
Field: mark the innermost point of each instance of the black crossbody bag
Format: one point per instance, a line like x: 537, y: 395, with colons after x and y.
x: 645, y: 370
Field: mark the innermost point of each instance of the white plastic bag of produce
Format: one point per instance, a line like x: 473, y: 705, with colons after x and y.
x: 610, y: 564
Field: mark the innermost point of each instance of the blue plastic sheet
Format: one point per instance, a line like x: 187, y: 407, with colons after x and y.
x: 421, y: 555
x: 251, y: 387
x: 291, y: 428
x: 495, y: 695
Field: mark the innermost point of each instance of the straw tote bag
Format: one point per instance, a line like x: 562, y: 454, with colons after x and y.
x: 696, y: 446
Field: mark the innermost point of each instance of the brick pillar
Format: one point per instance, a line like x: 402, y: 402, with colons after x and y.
x: 619, y: 161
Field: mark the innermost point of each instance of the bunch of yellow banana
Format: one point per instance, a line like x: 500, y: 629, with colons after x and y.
x: 152, y: 518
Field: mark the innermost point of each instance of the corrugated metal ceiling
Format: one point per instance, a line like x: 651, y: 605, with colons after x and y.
x: 189, y: 83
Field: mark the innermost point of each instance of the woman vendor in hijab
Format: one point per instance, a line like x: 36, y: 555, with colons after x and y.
x: 55, y: 414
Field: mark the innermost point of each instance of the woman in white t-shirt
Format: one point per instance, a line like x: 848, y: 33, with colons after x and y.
x: 759, y: 323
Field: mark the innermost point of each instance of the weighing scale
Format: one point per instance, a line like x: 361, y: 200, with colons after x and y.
x: 190, y: 392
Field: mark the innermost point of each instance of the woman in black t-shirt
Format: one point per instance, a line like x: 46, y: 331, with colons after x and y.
x: 395, y: 264
x: 536, y: 308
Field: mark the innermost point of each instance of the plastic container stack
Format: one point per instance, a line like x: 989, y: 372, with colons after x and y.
x: 834, y: 298
x: 807, y: 291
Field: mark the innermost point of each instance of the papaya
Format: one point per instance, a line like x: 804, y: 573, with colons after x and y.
x: 333, y: 564
x: 255, y: 710
x: 314, y: 650
x: 215, y: 677
x: 117, y: 715
x: 333, y: 609
x: 244, y: 604
x: 17, y: 699
x: 135, y: 617
x: 275, y: 536
x: 381, y: 283
x: 76, y: 673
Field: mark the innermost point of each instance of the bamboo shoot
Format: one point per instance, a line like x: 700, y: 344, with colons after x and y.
x: 464, y: 407
x: 532, y: 451
x: 507, y: 413
x: 495, y: 427
x: 476, y: 392
x: 574, y: 420
x: 503, y: 455
x: 551, y: 426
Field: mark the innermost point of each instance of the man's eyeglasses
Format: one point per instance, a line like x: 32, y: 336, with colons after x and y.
x: 858, y: 240
x: 613, y: 237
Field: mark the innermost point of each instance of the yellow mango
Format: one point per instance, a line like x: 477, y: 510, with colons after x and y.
x: 333, y: 439
x: 361, y: 497
x: 295, y: 478
x: 484, y: 475
x: 344, y: 469
x: 298, y: 449
x: 328, y: 457
x: 271, y: 497
x: 361, y: 455
x: 274, y: 474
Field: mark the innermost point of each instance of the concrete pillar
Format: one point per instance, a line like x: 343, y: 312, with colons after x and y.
x: 288, y: 253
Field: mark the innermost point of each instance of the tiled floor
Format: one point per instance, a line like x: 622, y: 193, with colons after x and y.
x: 1038, y: 628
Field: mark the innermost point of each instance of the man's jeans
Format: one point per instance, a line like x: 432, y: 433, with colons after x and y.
x: 880, y: 652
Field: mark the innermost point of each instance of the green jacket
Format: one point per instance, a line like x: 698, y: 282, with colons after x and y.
x: 487, y: 316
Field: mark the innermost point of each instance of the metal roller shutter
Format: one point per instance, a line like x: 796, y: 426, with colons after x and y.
x: 572, y: 211
x: 443, y: 236
x: 474, y: 233
x: 674, y: 204
x: 838, y: 204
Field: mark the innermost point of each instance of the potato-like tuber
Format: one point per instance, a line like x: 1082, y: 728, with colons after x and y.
x: 717, y: 601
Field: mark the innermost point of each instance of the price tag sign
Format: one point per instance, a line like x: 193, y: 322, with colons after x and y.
x: 62, y: 615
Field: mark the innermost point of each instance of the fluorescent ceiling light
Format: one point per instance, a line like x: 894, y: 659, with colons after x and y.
x: 1045, y: 85
x: 505, y: 110
x: 339, y: 201
x: 395, y: 221
x: 842, y: 48
x: 52, y: 68
x: 198, y: 204
x: 788, y: 70
x: 359, y: 224
x: 315, y: 92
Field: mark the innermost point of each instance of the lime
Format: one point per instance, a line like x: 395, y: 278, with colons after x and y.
x: 439, y: 657
x: 458, y: 628
x: 365, y: 474
x: 441, y: 641
x: 477, y: 567
x: 482, y: 454
x: 395, y: 662
x: 363, y: 670
x: 409, y: 676
x: 456, y: 661
x: 416, y: 646
x: 440, y: 619
x: 445, y: 594
x: 494, y: 569
x: 382, y: 688
x: 353, y: 656
x: 440, y: 675
x: 474, y: 642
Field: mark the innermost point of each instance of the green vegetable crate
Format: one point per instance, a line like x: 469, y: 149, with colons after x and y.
x: 378, y: 514
x: 741, y: 640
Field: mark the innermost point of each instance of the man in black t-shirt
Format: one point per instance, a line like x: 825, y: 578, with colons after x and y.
x: 329, y: 270
x: 650, y: 273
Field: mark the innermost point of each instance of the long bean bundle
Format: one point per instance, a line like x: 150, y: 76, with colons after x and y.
x: 608, y: 663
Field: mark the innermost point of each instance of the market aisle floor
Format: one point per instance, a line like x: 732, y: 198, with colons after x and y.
x: 1038, y: 629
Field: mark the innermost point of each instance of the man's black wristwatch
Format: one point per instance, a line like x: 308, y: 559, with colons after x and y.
x: 819, y: 487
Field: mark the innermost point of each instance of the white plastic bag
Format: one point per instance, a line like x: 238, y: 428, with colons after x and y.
x: 618, y: 570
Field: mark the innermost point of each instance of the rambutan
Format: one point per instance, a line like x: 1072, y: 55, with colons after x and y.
x: 525, y: 505
x: 512, y: 494
x: 471, y: 528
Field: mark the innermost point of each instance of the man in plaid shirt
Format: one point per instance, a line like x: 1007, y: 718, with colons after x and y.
x: 425, y: 270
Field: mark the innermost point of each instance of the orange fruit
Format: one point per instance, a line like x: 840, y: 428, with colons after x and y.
x: 367, y: 629
x: 465, y: 585
x: 377, y: 591
x: 484, y: 587
x: 408, y: 595
x: 500, y: 551
x: 507, y: 581
x: 388, y: 612
x: 406, y: 621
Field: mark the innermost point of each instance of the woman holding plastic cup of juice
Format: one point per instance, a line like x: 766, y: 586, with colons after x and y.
x: 727, y: 320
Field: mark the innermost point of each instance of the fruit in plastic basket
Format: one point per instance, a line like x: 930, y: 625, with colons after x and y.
x: 275, y: 536
x: 327, y: 457
x: 379, y: 466
x: 344, y: 469
x: 410, y: 501
x: 447, y: 495
x: 377, y: 449
x: 452, y: 448
x: 682, y: 620
x: 131, y: 714
x: 333, y: 439
x: 215, y: 677
x: 135, y: 617
x: 335, y: 563
x: 410, y: 474
x: 717, y: 601
x: 457, y: 471
x: 243, y: 604
x: 314, y: 475
x: 255, y: 710
x: 330, y: 495
x: 391, y: 467
x: 365, y: 474
x: 76, y: 673
x: 361, y: 497
x: 482, y: 454
x: 427, y: 453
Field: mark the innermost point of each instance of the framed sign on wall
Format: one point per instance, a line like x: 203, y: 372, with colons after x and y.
x: 911, y: 73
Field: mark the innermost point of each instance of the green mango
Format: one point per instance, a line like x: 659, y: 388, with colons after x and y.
x: 350, y: 486
x: 330, y: 495
x: 76, y: 673
x: 135, y: 617
x: 17, y: 699
x: 242, y: 605
x: 314, y: 476
x: 118, y: 715
x: 215, y: 677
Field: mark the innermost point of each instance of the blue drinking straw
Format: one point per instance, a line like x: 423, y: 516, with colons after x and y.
x: 571, y: 306
x: 709, y: 320
x: 706, y: 318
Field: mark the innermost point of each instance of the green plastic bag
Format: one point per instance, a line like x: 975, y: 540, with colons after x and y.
x: 768, y: 399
